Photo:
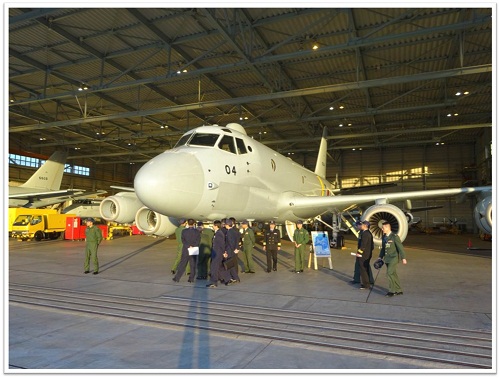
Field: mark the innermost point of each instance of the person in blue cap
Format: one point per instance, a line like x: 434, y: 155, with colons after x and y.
x: 356, y: 279
x: 364, y: 253
x: 300, y: 238
x: 93, y: 237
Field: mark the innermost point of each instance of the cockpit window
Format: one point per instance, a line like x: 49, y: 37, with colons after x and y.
x: 240, y: 145
x: 227, y: 144
x: 183, y: 140
x: 200, y: 139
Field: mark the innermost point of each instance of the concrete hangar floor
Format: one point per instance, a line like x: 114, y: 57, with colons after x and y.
x: 133, y: 316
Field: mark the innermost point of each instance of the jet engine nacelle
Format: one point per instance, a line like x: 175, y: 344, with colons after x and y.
x: 153, y: 223
x: 120, y: 208
x: 378, y: 214
x: 483, y: 215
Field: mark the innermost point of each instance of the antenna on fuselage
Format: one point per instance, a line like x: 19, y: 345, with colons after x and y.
x: 320, y: 169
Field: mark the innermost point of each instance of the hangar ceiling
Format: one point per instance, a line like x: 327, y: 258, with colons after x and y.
x: 120, y: 85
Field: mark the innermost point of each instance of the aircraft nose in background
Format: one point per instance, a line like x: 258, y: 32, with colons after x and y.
x: 170, y: 184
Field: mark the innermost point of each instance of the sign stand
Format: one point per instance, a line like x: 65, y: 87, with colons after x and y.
x: 320, y: 248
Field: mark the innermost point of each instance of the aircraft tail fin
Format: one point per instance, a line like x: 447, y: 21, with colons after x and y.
x: 49, y: 175
x: 321, y: 162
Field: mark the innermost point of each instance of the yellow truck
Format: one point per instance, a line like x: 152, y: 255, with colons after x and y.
x: 39, y: 226
x: 14, y: 212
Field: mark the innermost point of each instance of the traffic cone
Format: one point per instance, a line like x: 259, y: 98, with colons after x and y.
x: 469, y: 245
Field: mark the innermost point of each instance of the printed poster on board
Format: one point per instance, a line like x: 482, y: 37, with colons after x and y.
x: 321, y: 244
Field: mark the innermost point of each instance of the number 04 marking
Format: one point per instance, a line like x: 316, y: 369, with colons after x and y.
x: 229, y: 170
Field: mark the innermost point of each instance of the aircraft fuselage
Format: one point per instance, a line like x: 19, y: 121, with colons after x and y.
x: 215, y: 172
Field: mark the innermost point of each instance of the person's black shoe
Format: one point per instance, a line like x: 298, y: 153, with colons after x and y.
x: 302, y: 271
x: 86, y: 272
x: 268, y: 271
x: 275, y: 269
x: 95, y: 273
x: 399, y: 293
x: 354, y: 282
x: 172, y: 271
x: 389, y: 294
x: 173, y: 279
x: 199, y: 278
x: 211, y: 285
x: 362, y: 288
x: 228, y: 283
x: 190, y: 281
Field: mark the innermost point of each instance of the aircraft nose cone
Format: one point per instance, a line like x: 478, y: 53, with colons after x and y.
x: 170, y: 184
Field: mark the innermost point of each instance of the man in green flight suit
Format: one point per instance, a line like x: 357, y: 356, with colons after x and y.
x: 93, y: 237
x: 392, y: 251
x: 178, y: 235
x: 207, y: 236
x: 300, y: 238
x: 248, y: 239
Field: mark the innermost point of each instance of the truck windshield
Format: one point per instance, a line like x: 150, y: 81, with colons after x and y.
x: 22, y: 220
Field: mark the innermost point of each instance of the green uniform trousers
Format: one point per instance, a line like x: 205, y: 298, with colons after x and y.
x: 300, y: 255
x: 91, y: 251
x: 246, y: 256
x: 392, y: 277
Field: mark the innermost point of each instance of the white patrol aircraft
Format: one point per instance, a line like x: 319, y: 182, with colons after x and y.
x: 216, y: 172
x: 43, y: 188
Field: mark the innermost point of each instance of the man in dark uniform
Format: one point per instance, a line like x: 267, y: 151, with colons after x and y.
x: 272, y: 244
x: 392, y: 251
x: 207, y: 235
x: 190, y: 238
x: 232, y: 249
x: 93, y: 237
x: 300, y: 238
x: 356, y: 279
x: 178, y: 234
x: 364, y: 254
x: 217, y: 271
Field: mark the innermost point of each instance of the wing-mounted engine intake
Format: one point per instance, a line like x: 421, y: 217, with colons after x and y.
x: 378, y: 214
x: 153, y: 223
x: 483, y: 215
x: 120, y: 208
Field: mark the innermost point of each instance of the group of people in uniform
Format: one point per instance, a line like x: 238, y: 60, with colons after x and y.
x: 220, y: 249
x: 391, y: 253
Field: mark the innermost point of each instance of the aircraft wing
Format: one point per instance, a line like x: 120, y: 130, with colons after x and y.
x: 124, y: 188
x: 47, y: 194
x: 308, y: 206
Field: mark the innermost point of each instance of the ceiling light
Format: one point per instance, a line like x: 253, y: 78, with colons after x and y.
x: 42, y: 138
x: 448, y: 115
x: 341, y: 124
x: 466, y: 92
x: 349, y: 124
x: 458, y: 93
x: 77, y: 148
x: 341, y: 107
x: 455, y: 114
x: 331, y: 108
x: 315, y: 45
